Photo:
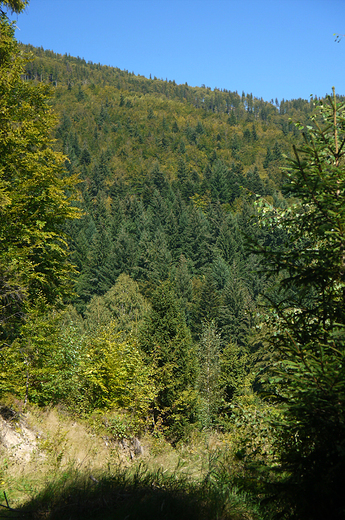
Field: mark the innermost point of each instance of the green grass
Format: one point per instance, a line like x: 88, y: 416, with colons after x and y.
x: 135, y: 493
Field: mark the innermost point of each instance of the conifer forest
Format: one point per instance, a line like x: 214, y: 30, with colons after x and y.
x: 172, y: 268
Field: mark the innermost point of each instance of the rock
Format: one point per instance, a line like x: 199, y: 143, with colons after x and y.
x: 138, y: 449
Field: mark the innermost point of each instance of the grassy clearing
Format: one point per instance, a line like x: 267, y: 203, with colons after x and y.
x: 78, y: 472
x: 137, y: 494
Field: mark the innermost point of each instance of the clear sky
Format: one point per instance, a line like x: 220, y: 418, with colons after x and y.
x: 272, y: 48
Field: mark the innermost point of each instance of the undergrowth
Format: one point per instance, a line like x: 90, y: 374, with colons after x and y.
x: 78, y: 472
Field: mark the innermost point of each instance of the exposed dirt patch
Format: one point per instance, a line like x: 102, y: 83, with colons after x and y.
x: 51, y: 438
x: 19, y: 440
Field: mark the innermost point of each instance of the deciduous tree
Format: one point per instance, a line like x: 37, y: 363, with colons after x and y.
x: 35, y: 195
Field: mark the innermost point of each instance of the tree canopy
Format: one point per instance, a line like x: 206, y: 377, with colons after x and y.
x: 16, y: 6
x: 35, y: 193
x: 307, y: 321
x: 167, y: 326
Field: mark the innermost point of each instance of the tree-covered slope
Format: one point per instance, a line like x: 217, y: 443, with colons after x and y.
x: 137, y: 121
x: 166, y: 331
x: 168, y: 174
x: 167, y: 183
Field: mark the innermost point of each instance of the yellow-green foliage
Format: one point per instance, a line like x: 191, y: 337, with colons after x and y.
x: 115, y: 373
x: 34, y: 204
x: 53, y: 361
x: 30, y: 363
x: 136, y: 121
x: 123, y: 304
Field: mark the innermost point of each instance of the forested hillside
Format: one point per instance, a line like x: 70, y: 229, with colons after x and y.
x: 169, y: 255
x: 168, y: 174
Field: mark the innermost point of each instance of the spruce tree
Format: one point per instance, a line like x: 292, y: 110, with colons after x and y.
x: 268, y: 158
x: 209, y: 374
x: 166, y: 340
x: 308, y: 323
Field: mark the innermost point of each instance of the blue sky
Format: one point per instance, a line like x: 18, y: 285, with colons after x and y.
x: 272, y: 48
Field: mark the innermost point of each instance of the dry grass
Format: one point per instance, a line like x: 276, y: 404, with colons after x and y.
x: 79, y: 461
x: 43, y: 443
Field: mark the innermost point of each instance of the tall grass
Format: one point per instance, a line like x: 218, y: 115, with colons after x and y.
x: 77, y: 473
x: 137, y: 493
